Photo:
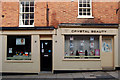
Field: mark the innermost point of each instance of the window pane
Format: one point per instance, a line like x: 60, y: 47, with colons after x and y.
x: 88, y: 10
x: 31, y: 9
x: 80, y: 13
x: 88, y: 5
x: 80, y: 5
x: 26, y: 9
x: 26, y: 22
x: 26, y: 16
x: 26, y: 3
x: 88, y: 1
x: 19, y: 47
x: 80, y: 10
x: 31, y: 22
x: 84, y: 10
x: 88, y: 13
x: 84, y: 13
x: 82, y: 47
x: 32, y: 16
x: 31, y: 3
x: 22, y: 3
x: 84, y: 1
x: 84, y: 5
x: 80, y: 1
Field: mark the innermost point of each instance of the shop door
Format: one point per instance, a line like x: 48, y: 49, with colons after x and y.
x: 46, y: 55
x: 107, y: 53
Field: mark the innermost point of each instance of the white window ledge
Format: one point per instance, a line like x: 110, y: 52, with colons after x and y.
x: 85, y: 17
x: 26, y: 25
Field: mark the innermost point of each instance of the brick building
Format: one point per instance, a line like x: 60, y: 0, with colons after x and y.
x: 59, y: 35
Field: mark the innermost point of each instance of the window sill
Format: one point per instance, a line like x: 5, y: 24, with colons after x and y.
x: 81, y: 59
x: 85, y: 17
x: 26, y: 25
x: 18, y: 61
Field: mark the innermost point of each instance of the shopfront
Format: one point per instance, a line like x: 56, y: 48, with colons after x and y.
x: 27, y: 50
x: 70, y: 47
x: 91, y: 47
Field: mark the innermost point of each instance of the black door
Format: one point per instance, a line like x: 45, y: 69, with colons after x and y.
x: 46, y: 55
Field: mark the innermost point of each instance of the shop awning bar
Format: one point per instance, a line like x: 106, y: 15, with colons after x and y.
x: 27, y: 28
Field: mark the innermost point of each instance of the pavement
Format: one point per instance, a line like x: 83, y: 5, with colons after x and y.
x: 94, y: 75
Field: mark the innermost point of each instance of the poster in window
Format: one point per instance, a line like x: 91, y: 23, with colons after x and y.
x: 97, y: 52
x: 10, y: 50
x: 71, y: 38
x: 82, y: 43
x: 91, y: 45
x: 20, y: 41
x: 91, y: 38
x: 107, y: 46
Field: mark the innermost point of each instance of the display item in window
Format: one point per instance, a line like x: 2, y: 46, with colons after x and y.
x: 82, y: 43
x: 71, y: 38
x: 77, y: 54
x: 26, y: 53
x: 10, y: 50
x: 91, y: 38
x: 97, y: 52
x: 66, y: 54
x: 86, y: 53
x: 71, y: 53
x: 92, y: 45
x: 92, y: 53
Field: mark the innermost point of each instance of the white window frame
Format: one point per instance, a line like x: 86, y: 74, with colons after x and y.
x: 85, y: 16
x: 20, y: 14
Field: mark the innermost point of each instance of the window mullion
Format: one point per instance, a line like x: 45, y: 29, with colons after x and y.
x: 24, y: 12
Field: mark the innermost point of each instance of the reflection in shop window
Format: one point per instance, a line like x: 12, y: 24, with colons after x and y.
x: 18, y: 47
x: 82, y: 47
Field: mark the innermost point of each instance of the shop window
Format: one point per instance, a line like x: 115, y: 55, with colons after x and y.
x: 82, y: 47
x: 85, y: 9
x: 26, y: 18
x: 19, y: 47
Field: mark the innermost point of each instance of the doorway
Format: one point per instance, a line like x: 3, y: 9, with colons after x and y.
x: 107, y: 53
x: 46, y: 55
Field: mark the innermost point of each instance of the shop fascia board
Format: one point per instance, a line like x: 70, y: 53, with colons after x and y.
x: 28, y: 32
x: 79, y: 25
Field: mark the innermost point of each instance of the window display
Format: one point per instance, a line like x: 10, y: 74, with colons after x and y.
x: 83, y: 47
x: 18, y: 47
x: 107, y: 45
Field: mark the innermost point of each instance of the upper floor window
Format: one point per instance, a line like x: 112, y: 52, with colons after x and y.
x: 26, y: 16
x: 85, y: 9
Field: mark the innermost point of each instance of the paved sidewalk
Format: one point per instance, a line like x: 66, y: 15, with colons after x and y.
x: 96, y: 75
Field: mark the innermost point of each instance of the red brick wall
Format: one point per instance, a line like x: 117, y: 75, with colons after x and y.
x: 10, y: 10
x: 118, y: 12
x: 40, y: 14
x: 0, y: 13
x: 68, y: 12
x: 61, y: 12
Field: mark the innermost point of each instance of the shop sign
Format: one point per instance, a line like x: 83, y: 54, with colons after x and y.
x: 88, y: 31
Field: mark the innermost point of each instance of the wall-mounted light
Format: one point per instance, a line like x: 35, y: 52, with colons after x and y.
x: 55, y: 41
